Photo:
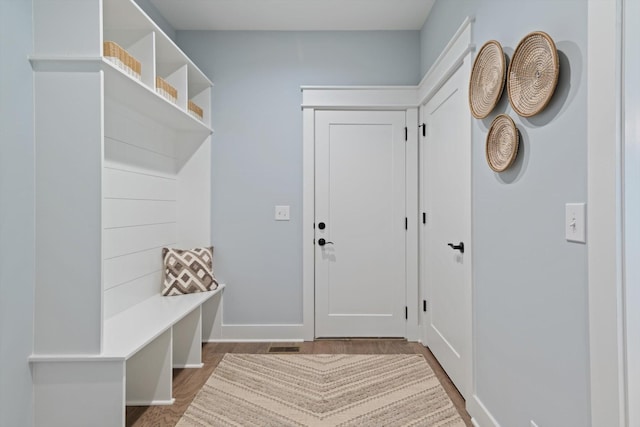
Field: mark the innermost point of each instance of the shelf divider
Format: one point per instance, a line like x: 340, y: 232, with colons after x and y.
x: 144, y: 50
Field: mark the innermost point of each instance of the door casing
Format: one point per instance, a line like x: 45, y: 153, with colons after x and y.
x: 399, y: 98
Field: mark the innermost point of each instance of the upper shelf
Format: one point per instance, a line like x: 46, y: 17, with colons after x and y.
x: 126, y: 20
x: 128, y: 91
x: 132, y: 93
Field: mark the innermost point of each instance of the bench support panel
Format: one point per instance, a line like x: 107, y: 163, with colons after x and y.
x: 187, y: 341
x: 149, y: 375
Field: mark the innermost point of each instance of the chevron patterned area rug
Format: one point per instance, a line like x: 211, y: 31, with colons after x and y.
x: 322, y: 390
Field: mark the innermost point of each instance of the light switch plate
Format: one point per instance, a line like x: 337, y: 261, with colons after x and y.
x: 282, y: 213
x: 575, y: 224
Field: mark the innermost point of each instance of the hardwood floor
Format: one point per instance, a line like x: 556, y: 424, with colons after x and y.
x: 187, y: 382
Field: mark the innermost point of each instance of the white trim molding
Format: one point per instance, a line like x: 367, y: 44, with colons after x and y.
x: 260, y: 333
x: 448, y: 62
x: 604, y: 213
x: 481, y: 416
x: 631, y: 205
x: 412, y: 258
x: 215, y: 330
x: 359, y: 97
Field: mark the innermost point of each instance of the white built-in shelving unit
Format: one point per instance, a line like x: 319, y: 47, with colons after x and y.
x: 121, y: 172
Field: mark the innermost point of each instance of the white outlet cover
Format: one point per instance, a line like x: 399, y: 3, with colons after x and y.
x: 575, y: 224
x: 282, y: 213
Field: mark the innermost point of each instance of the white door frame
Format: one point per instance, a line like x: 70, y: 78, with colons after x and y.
x: 462, y: 65
x: 605, y: 238
x: 631, y: 206
x: 399, y: 98
x: 457, y: 54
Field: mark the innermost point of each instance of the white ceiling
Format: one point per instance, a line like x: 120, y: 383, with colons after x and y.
x: 295, y: 15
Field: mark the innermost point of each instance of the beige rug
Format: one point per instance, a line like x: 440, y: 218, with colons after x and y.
x: 322, y: 390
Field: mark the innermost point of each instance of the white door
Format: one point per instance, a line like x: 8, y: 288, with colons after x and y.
x: 446, y: 200
x: 360, y: 214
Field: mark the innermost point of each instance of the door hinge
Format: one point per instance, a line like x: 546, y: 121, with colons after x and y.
x: 406, y: 133
x: 406, y: 312
x: 424, y: 129
x: 424, y: 305
x: 424, y: 217
x: 406, y: 223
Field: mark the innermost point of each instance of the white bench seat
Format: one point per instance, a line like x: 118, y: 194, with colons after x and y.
x: 132, y: 329
x: 141, y: 345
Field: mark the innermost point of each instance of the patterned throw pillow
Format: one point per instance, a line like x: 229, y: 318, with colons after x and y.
x: 188, y: 271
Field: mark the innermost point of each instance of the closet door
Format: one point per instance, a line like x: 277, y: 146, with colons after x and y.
x: 446, y: 238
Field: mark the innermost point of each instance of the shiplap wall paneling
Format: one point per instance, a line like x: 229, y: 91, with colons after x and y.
x: 124, y: 156
x: 121, y: 184
x: 126, y: 124
x: 130, y: 240
x: 120, y: 298
x: 139, y: 207
x: 125, y: 269
x: 128, y: 212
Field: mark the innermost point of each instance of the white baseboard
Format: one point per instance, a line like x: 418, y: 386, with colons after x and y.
x: 189, y: 366
x: 150, y: 402
x: 260, y: 333
x: 480, y: 415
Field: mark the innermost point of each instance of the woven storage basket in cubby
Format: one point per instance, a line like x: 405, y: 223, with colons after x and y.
x: 195, y: 110
x: 122, y: 59
x: 166, y: 90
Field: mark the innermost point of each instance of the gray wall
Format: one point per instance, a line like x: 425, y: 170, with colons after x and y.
x: 531, y: 314
x: 257, y: 148
x: 157, y: 17
x: 17, y: 267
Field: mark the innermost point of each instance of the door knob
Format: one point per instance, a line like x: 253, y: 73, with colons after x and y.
x: 323, y: 242
x: 458, y: 247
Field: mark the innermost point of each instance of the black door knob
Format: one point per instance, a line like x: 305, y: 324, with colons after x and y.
x: 458, y: 247
x: 321, y: 226
x: 323, y: 242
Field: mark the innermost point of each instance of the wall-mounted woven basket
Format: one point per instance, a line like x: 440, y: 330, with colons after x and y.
x: 502, y: 143
x: 533, y: 74
x: 487, y: 79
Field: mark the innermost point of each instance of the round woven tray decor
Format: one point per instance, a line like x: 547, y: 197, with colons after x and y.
x: 502, y: 143
x: 487, y: 79
x: 533, y: 74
